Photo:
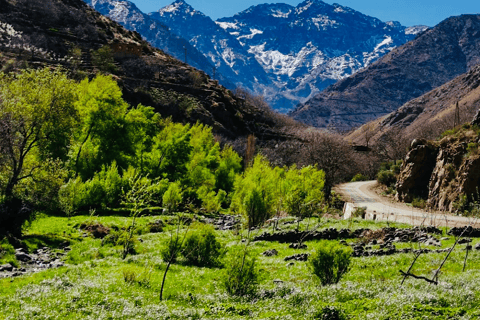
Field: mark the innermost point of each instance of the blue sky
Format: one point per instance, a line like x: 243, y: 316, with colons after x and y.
x: 408, y: 12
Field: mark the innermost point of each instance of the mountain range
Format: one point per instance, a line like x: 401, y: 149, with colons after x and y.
x: 433, y: 58
x: 285, y: 53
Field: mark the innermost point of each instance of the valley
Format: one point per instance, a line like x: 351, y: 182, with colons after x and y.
x: 148, y: 168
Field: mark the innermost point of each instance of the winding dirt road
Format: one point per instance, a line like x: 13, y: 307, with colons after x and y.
x: 362, y: 194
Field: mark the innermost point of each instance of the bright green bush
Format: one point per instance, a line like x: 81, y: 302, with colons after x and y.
x: 359, y: 177
x: 172, y: 197
x: 201, y: 247
x: 240, y: 277
x: 303, y: 191
x: 330, y: 262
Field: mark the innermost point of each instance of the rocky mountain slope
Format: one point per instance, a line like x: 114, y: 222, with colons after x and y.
x: 308, y: 47
x: 68, y: 34
x: 223, y: 50
x: 435, y: 57
x: 283, y: 52
x: 157, y: 34
x: 429, y: 115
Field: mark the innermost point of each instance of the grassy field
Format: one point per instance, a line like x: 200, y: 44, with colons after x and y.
x: 97, y: 284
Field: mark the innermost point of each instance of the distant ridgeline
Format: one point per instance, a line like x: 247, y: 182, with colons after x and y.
x: 314, y: 44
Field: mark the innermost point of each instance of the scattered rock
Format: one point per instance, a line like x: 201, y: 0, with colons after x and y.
x: 23, y: 257
x: 477, y: 246
x: 298, y: 257
x: 40, y: 259
x: 464, y: 240
x: 297, y: 246
x: 6, y: 267
x: 270, y: 253
x: 225, y: 222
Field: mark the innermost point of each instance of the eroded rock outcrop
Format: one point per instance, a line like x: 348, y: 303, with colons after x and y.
x: 445, y: 172
x: 416, y: 171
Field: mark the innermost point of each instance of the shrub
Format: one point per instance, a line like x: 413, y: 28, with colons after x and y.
x: 330, y: 262
x: 386, y: 177
x: 172, y: 197
x: 359, y: 177
x: 419, y: 203
x: 329, y: 313
x: 201, y: 247
x: 14, y: 213
x: 241, y: 274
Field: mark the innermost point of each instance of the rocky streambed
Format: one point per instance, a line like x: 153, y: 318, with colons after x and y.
x: 41, y: 259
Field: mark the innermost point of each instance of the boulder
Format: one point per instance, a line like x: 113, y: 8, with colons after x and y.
x: 270, y: 253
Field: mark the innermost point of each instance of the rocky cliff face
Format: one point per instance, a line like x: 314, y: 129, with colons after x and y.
x: 435, y: 57
x: 446, y: 172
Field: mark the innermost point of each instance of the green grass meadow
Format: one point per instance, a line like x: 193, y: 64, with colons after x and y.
x: 96, y: 283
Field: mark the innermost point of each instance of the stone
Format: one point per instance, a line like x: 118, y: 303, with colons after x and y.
x: 297, y: 246
x: 270, y: 253
x: 298, y: 257
x: 477, y: 246
x: 23, y: 257
x: 6, y: 267
x: 464, y: 240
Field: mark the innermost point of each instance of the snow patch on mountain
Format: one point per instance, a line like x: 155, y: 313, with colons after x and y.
x: 227, y: 25
x: 304, y: 8
x: 253, y: 33
x: 322, y: 22
x: 281, y: 14
x: 415, y: 30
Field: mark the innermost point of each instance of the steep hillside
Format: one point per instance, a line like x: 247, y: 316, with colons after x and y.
x: 157, y: 34
x: 435, y: 57
x: 69, y: 34
x: 429, y: 115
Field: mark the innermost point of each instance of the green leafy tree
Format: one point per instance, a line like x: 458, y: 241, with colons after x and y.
x: 172, y: 198
x: 101, y: 135
x: 255, y: 192
x: 36, y: 116
x: 304, y: 191
x: 170, y: 153
x: 103, y: 59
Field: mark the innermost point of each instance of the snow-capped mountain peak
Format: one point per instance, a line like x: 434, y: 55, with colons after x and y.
x: 284, y: 52
x: 179, y: 7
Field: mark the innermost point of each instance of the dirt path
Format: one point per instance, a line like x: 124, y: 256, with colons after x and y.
x: 362, y: 194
